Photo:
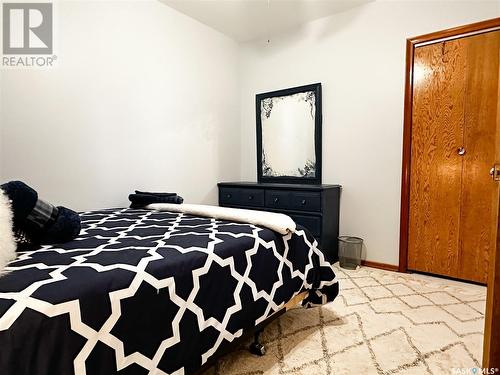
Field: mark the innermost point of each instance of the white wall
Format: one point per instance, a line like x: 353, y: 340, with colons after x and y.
x: 143, y: 97
x: 359, y: 57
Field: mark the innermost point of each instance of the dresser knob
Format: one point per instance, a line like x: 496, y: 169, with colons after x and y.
x: 228, y: 195
x: 250, y: 197
x: 276, y: 200
x: 303, y: 202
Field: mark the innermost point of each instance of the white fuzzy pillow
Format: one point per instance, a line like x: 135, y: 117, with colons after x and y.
x: 7, y: 240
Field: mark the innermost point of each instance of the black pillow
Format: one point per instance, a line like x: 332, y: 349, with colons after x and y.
x: 38, y: 222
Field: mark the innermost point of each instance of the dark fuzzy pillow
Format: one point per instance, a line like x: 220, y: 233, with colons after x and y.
x: 37, y: 222
x: 66, y: 227
x: 22, y: 199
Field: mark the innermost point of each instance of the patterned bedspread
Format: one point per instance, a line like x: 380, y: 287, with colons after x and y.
x: 148, y: 292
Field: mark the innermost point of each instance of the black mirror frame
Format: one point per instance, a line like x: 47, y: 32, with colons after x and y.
x: 316, y: 87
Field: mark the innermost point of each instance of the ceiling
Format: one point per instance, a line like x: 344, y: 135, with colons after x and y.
x: 245, y: 20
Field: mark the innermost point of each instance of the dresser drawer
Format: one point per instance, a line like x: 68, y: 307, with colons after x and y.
x: 278, y: 199
x: 228, y: 196
x: 252, y: 197
x: 241, y: 197
x: 305, y: 201
x: 312, y: 223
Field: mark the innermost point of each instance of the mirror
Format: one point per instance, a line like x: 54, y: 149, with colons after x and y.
x: 289, y: 135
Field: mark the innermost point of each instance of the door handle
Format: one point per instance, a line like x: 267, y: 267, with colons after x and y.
x: 495, y: 172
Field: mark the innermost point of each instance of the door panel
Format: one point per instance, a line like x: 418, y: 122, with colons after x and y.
x: 435, y: 175
x: 479, y: 192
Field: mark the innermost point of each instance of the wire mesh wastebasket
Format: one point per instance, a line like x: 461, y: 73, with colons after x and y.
x: 350, y: 252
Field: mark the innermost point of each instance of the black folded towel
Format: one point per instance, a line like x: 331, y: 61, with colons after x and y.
x: 156, y: 194
x: 141, y: 199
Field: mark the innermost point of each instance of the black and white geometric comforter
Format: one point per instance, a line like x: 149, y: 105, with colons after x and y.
x: 148, y: 292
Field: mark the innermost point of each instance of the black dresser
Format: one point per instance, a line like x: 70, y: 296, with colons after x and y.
x: 315, y: 207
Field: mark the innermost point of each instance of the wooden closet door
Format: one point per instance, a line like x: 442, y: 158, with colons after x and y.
x: 478, y: 221
x: 439, y: 83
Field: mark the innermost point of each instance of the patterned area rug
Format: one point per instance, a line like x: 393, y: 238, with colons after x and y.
x: 382, y: 323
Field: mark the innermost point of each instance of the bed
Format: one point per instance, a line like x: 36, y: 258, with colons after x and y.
x: 151, y: 292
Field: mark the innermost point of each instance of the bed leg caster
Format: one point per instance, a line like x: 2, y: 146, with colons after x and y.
x: 256, y: 347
